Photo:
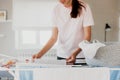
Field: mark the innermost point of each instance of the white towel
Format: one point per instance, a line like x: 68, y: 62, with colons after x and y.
x: 90, y: 49
x: 71, y: 74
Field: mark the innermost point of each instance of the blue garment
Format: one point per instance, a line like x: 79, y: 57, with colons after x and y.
x: 115, y: 75
x: 27, y: 74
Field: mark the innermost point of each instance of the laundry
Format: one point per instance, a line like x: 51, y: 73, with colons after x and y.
x: 90, y: 48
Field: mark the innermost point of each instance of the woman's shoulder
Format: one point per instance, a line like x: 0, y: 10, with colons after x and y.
x: 58, y: 6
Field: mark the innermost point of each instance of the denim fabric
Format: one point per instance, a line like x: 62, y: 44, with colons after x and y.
x: 115, y: 75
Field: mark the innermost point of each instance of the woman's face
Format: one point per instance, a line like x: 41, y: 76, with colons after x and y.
x: 66, y: 3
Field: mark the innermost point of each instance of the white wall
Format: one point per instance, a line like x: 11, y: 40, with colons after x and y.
x: 118, y: 5
x: 101, y: 15
x: 104, y: 11
x: 119, y: 17
x: 6, y: 42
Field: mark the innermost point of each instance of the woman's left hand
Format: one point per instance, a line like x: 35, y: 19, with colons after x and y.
x: 71, y: 60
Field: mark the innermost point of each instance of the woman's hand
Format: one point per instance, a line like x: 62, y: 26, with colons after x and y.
x: 71, y: 60
x: 36, y: 56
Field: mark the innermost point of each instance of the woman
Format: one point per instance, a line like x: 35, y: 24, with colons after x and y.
x: 72, y: 24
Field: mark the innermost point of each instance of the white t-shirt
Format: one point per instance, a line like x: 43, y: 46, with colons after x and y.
x: 70, y: 30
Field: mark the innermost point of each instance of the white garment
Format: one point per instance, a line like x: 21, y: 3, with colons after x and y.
x: 5, y: 58
x: 71, y: 74
x: 90, y: 49
x: 70, y: 30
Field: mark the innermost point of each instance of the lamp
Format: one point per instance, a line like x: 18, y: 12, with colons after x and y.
x: 107, y: 28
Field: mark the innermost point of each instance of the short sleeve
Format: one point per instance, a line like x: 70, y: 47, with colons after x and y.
x: 88, y: 17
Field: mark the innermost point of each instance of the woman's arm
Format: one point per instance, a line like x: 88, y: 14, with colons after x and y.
x: 87, y: 33
x: 49, y: 44
x: 87, y: 36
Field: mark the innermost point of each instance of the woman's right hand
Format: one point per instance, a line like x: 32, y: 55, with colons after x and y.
x: 36, y: 56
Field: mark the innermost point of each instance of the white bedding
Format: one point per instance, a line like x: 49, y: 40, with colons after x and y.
x: 71, y: 74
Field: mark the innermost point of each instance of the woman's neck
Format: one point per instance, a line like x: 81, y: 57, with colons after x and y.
x: 68, y: 6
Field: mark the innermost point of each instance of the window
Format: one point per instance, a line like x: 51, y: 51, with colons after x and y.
x: 32, y: 22
x: 28, y: 37
x: 32, y: 39
x: 44, y: 37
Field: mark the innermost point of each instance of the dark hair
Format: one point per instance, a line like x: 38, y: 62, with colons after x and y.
x: 76, y: 8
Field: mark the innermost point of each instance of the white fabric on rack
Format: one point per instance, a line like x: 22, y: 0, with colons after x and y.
x: 90, y: 49
x: 4, y: 59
